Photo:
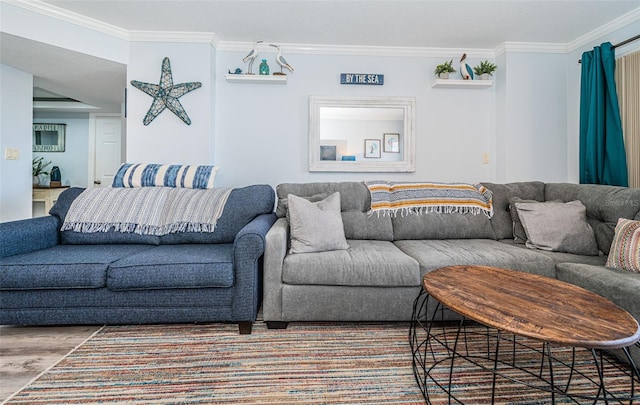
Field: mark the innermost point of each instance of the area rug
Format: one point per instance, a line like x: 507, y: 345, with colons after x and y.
x: 307, y: 363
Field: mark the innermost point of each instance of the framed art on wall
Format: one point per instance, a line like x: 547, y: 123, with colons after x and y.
x: 372, y: 148
x: 391, y: 143
x: 49, y: 137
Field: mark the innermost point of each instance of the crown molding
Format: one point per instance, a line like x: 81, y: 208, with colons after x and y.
x: 611, y: 26
x: 529, y: 47
x: 57, y: 13
x: 49, y: 10
x: 174, y: 36
x: 356, y: 50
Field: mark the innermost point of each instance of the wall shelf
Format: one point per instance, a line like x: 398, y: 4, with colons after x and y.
x: 462, y: 84
x: 262, y: 79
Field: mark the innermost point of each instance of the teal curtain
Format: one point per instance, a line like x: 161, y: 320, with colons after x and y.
x: 602, y: 156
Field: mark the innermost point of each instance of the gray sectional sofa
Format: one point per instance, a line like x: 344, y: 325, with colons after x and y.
x: 51, y: 277
x: 379, y: 276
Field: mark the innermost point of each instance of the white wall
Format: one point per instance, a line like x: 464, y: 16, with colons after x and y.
x: 16, y: 95
x: 73, y: 162
x: 167, y: 139
x: 531, y: 117
x: 262, y: 129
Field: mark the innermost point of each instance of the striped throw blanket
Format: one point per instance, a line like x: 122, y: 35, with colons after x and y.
x: 388, y: 197
x: 146, y: 210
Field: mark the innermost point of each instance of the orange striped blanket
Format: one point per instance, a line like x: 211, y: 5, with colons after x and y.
x: 388, y: 197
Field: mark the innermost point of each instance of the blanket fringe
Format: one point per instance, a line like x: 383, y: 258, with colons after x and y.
x: 442, y: 209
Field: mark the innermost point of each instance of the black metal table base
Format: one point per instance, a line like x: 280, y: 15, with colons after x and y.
x: 452, y: 356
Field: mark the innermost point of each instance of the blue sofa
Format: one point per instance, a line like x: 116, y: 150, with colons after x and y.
x: 49, y: 276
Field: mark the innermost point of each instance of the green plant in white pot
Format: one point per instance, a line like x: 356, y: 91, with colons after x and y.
x: 443, y: 69
x: 485, y: 69
x: 38, y: 169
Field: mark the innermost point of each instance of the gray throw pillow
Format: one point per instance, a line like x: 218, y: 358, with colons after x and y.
x: 519, y: 235
x: 316, y: 226
x: 557, y: 226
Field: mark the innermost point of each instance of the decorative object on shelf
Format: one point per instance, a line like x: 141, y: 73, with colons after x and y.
x: 56, y: 177
x: 280, y: 60
x: 372, y: 148
x: 264, y: 68
x: 49, y: 137
x: 238, y: 71
x: 443, y: 69
x: 38, y: 166
x: 371, y: 79
x: 349, y: 158
x: 251, y: 56
x: 465, y: 69
x: 485, y: 69
x: 391, y: 143
x: 166, y: 94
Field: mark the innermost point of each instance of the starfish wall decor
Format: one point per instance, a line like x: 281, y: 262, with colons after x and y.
x: 166, y: 94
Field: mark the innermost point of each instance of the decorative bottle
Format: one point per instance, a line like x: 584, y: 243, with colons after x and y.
x: 264, y: 67
x: 55, y: 173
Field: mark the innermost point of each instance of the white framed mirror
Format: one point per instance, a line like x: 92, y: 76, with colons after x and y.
x: 361, y: 134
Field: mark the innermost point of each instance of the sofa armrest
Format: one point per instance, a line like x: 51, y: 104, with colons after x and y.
x: 28, y: 235
x: 275, y: 252
x: 248, y: 248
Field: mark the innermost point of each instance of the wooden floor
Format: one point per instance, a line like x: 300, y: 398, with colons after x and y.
x: 27, y: 351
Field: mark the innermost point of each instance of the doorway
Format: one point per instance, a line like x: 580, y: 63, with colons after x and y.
x: 106, y: 148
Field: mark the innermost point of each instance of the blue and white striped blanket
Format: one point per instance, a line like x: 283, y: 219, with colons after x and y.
x: 388, y: 197
x: 146, y: 210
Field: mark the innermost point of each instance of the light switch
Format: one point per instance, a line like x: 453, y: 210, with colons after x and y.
x: 485, y: 158
x: 11, y: 154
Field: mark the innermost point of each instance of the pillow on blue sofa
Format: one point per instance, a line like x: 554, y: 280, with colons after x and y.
x: 157, y: 175
x: 557, y: 226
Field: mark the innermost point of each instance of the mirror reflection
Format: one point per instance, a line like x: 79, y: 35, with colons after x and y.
x: 361, y: 134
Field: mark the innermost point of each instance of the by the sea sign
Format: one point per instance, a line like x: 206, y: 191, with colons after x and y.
x: 370, y: 79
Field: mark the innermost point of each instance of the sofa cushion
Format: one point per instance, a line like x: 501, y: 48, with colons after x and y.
x: 433, y: 254
x: 557, y: 226
x: 502, y: 195
x: 562, y: 257
x: 60, y: 210
x: 63, y: 266
x: 243, y: 205
x: 605, y: 204
x: 365, y: 263
x: 432, y: 225
x: 355, y: 202
x: 316, y: 226
x: 625, y: 249
x: 620, y: 286
x: 174, y: 266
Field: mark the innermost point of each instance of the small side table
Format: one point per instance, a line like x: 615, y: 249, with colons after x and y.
x: 47, y: 195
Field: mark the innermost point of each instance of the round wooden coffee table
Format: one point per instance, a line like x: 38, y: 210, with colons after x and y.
x: 514, y: 304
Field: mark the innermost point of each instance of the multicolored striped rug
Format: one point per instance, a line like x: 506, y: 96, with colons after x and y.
x: 308, y: 363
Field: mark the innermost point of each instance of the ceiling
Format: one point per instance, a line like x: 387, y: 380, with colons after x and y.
x: 471, y: 24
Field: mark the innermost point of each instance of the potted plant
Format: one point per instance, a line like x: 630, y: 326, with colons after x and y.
x: 484, y: 69
x: 38, y: 168
x: 443, y: 69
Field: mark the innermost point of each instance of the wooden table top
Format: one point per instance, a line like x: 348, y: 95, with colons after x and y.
x: 533, y: 306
